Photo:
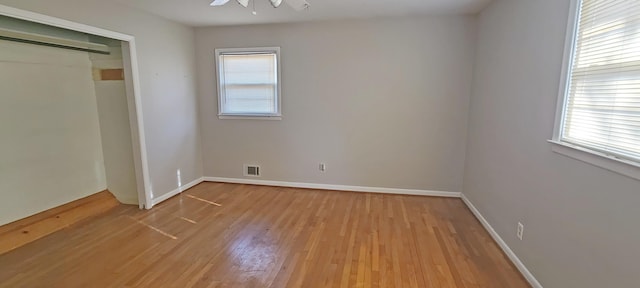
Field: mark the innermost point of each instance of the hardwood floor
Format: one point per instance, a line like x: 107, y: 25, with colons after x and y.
x: 229, y: 235
x: 27, y: 230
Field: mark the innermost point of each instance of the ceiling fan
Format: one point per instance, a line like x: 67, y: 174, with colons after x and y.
x: 297, y: 5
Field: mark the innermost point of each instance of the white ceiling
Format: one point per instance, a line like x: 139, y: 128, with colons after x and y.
x: 199, y: 13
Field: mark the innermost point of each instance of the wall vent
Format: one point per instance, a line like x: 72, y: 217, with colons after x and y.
x: 252, y: 170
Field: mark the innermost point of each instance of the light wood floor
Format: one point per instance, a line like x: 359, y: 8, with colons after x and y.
x: 227, y: 235
x: 27, y: 230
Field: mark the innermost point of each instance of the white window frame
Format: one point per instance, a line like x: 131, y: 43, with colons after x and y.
x: 595, y: 157
x: 278, y: 100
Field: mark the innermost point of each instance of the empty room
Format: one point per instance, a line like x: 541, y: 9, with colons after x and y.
x: 320, y: 143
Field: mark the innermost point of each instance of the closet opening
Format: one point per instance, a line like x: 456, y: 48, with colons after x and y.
x: 70, y: 115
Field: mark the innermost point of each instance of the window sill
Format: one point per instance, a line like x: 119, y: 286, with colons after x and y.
x: 620, y: 166
x: 248, y: 117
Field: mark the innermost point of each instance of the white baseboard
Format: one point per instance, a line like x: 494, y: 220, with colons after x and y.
x: 503, y: 245
x: 335, y: 187
x: 157, y: 200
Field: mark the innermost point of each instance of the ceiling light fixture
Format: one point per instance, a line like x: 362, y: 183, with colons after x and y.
x: 244, y: 3
x: 276, y: 3
x: 297, y: 5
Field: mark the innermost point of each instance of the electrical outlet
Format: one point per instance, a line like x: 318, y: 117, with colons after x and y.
x: 322, y: 167
x: 520, y: 230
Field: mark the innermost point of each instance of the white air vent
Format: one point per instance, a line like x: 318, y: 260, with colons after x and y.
x: 252, y: 170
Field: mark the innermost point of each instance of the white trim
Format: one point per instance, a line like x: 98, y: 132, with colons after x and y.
x: 57, y: 22
x: 250, y: 117
x: 621, y: 166
x: 132, y: 84
x: 335, y: 187
x: 157, y: 200
x: 135, y: 78
x: 567, y: 61
x: 503, y: 245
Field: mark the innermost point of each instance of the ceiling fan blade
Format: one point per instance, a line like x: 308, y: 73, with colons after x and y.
x: 218, y: 2
x: 244, y: 3
x: 276, y: 3
x: 298, y: 5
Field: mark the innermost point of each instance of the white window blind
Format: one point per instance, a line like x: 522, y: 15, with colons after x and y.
x: 248, y: 83
x: 602, y: 108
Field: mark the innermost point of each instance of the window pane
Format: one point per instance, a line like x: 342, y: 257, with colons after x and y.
x: 248, y: 69
x: 603, y: 105
x: 250, y: 99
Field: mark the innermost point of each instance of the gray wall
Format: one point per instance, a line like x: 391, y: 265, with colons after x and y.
x: 382, y: 102
x: 115, y: 128
x: 581, y: 221
x: 167, y: 67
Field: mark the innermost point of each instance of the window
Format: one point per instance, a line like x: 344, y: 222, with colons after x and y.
x: 600, y: 108
x: 248, y: 82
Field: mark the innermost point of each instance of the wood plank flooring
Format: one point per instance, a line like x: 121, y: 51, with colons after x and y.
x: 27, y: 230
x: 229, y: 235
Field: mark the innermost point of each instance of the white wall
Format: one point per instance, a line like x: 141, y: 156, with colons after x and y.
x: 116, y: 140
x: 115, y: 131
x: 166, y: 60
x: 581, y: 221
x: 51, y: 151
x: 382, y: 102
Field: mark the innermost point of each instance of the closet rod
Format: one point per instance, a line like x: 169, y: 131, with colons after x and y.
x: 51, y: 41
